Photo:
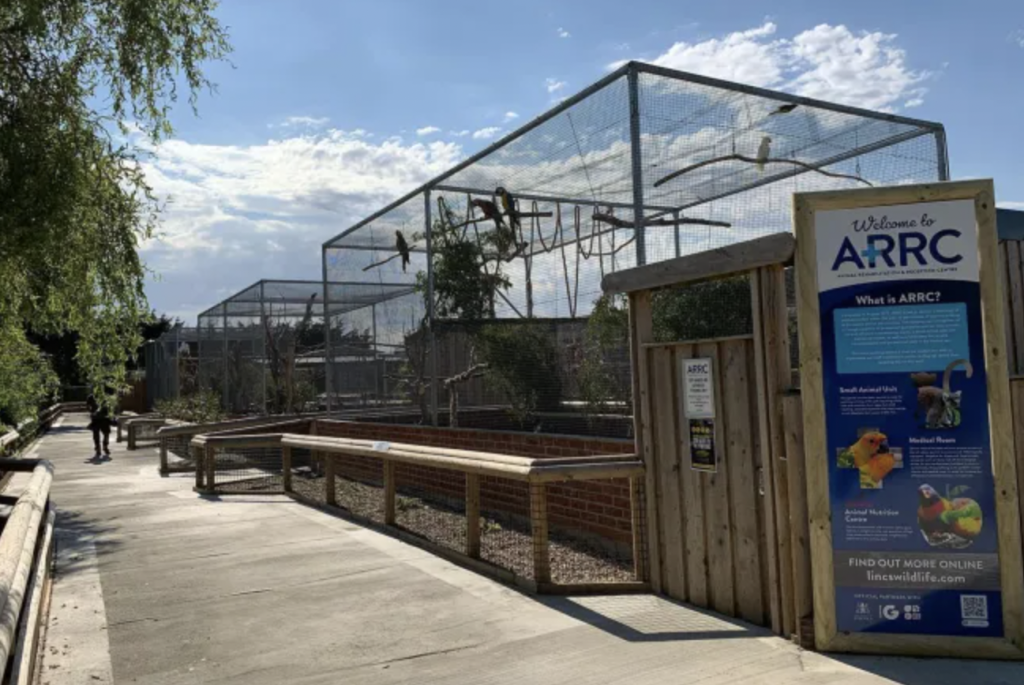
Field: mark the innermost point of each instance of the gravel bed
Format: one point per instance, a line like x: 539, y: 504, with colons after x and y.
x: 504, y: 541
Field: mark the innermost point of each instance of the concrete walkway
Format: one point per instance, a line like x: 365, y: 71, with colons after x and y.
x: 157, y: 585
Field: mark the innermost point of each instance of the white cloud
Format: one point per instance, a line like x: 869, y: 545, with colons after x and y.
x: 459, y: 134
x: 238, y: 213
x: 305, y: 122
x: 1011, y: 205
x: 913, y: 102
x: 827, y: 62
x: 1018, y: 37
x: 509, y: 116
x: 486, y: 133
x: 562, y: 33
x: 427, y: 130
x: 554, y: 85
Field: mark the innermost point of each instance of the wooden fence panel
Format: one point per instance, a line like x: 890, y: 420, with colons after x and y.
x: 710, y: 524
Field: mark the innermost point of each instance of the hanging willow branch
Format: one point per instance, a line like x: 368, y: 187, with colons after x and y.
x: 751, y: 160
x: 624, y: 223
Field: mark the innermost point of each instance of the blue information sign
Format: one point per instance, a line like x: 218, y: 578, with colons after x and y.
x: 906, y: 415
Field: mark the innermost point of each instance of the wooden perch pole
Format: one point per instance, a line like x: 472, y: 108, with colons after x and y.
x: 624, y: 223
x: 751, y: 160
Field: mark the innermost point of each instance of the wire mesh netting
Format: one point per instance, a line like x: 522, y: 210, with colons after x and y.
x: 431, y: 503
x: 248, y: 469
x: 502, y: 323
x: 590, y: 531
x: 180, y: 453
x: 143, y: 432
x: 172, y: 365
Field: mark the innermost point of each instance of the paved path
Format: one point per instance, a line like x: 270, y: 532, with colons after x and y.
x: 157, y: 585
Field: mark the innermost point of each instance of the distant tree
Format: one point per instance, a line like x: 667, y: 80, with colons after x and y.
x: 75, y: 76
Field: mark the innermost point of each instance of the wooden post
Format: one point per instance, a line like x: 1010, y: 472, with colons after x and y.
x: 131, y: 437
x: 539, y: 527
x: 636, y: 510
x: 286, y: 469
x: 761, y: 361
x: 800, y: 525
x: 197, y: 457
x: 1017, y: 405
x: 641, y: 330
x: 330, y: 486
x: 389, y: 492
x: 473, y: 515
x: 163, y: 456
x: 210, y: 459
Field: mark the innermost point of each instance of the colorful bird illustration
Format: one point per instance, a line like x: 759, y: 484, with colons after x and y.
x: 940, y: 516
x: 871, y: 456
x: 762, y: 153
x: 508, y: 203
x: 490, y: 211
x: 403, y: 249
x: 784, y: 109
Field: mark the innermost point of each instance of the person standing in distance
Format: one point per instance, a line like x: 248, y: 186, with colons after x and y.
x: 99, y: 422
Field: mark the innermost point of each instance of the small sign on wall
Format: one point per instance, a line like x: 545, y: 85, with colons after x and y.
x: 699, y: 407
x: 698, y: 388
x: 702, y: 445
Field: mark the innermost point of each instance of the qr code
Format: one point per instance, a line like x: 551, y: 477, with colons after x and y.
x: 974, y: 606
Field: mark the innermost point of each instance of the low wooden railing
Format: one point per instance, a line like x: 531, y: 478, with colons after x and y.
x: 141, y: 429
x: 175, y: 439
x: 491, y: 512
x: 25, y: 555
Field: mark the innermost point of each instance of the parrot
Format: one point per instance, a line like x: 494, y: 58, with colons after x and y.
x: 784, y: 109
x: 937, y: 514
x: 403, y: 249
x: 762, y: 153
x: 490, y: 211
x: 870, y: 455
x: 508, y: 203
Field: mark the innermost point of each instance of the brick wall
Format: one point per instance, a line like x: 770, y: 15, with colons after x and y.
x: 598, y: 507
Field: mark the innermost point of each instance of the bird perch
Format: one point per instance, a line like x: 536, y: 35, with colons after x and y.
x: 519, y: 215
x: 623, y: 223
x: 382, y: 262
x: 751, y: 160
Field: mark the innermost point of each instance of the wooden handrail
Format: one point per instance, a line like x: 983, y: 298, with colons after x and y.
x: 18, y: 548
x: 219, y: 426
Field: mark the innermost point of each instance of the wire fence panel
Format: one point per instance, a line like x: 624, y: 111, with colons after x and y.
x: 180, y: 454
x: 248, y: 469
x: 594, y: 545
x: 431, y: 503
x: 359, y: 486
x: 505, y: 531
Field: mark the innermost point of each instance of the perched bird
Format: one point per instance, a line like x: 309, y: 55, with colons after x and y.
x: 874, y: 471
x: 490, y: 211
x: 762, y: 153
x: 930, y: 508
x: 784, y: 109
x: 508, y: 203
x: 403, y: 249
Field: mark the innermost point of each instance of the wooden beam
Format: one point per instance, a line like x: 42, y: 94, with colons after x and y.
x: 777, y: 248
x: 286, y: 468
x: 641, y: 331
x: 636, y: 511
x: 330, y: 485
x: 800, y: 528
x: 473, y: 515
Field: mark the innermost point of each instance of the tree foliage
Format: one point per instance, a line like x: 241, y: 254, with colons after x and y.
x: 75, y: 76
x: 523, y: 364
x: 603, y: 372
x: 711, y: 309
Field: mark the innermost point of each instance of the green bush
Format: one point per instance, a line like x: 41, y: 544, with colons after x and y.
x: 712, y: 309
x: 522, y: 363
x: 202, y: 407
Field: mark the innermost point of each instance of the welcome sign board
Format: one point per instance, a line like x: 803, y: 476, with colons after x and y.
x: 902, y: 393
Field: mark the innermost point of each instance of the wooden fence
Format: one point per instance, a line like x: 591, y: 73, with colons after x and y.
x: 1011, y: 257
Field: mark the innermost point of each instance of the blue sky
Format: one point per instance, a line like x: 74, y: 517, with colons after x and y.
x: 345, y: 96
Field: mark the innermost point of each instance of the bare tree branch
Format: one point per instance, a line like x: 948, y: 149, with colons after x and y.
x: 751, y: 160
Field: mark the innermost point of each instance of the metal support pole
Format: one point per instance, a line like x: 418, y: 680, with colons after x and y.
x: 263, y: 349
x: 177, y: 361
x: 328, y: 356
x: 675, y: 217
x: 377, y: 376
x: 942, y: 153
x: 428, y: 230
x: 633, y: 81
x: 224, y: 365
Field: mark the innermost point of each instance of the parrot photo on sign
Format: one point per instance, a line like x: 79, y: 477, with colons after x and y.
x: 403, y: 249
x: 871, y: 456
x: 941, y: 517
x: 762, y: 153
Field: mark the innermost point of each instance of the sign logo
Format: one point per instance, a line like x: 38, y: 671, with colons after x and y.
x: 890, y: 612
x: 909, y: 249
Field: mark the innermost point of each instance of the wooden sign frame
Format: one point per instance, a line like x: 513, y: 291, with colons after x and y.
x: 827, y: 636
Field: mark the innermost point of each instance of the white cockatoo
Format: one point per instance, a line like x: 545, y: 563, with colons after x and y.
x: 762, y: 153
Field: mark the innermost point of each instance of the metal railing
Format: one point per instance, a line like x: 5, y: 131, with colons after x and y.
x: 539, y: 523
